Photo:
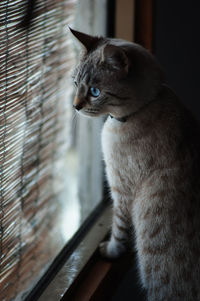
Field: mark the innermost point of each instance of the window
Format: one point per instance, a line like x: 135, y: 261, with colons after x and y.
x: 50, y: 160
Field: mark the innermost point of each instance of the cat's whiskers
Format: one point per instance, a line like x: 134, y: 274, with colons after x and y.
x: 74, y: 121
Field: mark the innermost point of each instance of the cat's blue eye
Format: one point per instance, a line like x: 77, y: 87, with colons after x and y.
x: 95, y: 92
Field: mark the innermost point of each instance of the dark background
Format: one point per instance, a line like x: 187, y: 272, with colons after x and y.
x: 176, y: 35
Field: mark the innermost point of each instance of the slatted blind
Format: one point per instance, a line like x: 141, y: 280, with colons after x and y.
x: 34, y: 133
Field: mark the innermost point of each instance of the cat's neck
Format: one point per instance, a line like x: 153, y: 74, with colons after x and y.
x: 125, y: 118
x: 122, y: 119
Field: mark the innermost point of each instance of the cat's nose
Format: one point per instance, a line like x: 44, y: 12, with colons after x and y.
x: 78, y: 106
x: 78, y: 103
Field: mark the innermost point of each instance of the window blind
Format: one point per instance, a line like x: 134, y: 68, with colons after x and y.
x: 35, y: 115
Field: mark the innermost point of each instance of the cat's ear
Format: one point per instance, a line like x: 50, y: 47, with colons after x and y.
x: 116, y: 57
x: 86, y: 40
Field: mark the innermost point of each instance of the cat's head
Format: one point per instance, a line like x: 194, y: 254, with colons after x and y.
x: 114, y: 77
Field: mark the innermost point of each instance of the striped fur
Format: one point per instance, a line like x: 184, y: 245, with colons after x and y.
x: 153, y: 169
x: 154, y: 181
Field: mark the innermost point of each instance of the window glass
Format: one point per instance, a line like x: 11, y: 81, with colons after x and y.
x: 50, y: 159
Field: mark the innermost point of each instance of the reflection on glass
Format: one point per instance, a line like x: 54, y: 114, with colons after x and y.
x: 50, y: 160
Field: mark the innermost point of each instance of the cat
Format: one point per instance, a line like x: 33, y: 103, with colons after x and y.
x: 151, y: 149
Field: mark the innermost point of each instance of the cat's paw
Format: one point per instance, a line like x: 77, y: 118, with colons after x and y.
x: 103, y: 249
x: 111, y: 251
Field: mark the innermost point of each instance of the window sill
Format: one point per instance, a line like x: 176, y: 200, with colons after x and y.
x: 85, y: 276
x: 99, y: 279
x: 75, y: 264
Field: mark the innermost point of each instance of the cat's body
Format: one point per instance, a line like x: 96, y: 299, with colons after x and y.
x: 152, y: 153
x: 156, y: 187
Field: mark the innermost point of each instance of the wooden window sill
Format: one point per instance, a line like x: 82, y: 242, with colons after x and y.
x: 99, y: 279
